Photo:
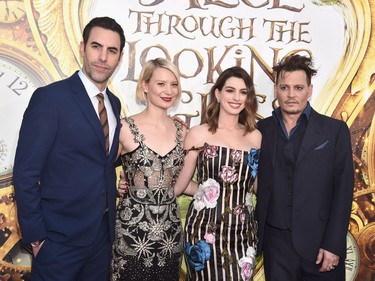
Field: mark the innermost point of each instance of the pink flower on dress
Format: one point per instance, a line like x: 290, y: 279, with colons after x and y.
x: 211, y: 189
x: 210, y: 238
x: 236, y: 156
x: 238, y: 210
x: 246, y: 271
x: 207, y: 194
x: 247, y: 263
x: 228, y: 174
x: 210, y: 151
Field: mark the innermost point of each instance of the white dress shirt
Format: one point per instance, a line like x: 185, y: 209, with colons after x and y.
x: 92, y: 91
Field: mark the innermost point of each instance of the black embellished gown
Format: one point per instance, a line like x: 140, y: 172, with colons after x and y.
x: 149, y: 240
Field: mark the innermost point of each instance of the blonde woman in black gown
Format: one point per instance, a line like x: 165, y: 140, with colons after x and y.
x: 149, y: 239
x: 220, y: 231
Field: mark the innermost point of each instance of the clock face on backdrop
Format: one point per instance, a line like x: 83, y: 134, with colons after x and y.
x: 20, y: 75
x: 11, y: 11
x: 16, y: 89
x: 352, y: 258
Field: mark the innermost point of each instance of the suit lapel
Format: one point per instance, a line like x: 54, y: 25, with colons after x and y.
x: 85, y: 104
x: 311, y: 135
x: 116, y: 112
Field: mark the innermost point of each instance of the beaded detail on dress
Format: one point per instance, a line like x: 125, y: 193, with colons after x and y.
x: 149, y: 241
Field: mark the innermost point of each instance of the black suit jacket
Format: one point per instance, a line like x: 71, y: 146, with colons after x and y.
x: 62, y: 175
x: 322, y: 187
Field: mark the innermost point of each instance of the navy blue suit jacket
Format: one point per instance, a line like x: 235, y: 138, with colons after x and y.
x: 322, y: 187
x: 62, y: 175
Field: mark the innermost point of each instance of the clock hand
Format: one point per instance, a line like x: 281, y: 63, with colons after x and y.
x: 6, y: 7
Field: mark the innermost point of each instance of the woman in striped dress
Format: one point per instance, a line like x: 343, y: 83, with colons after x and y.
x: 220, y: 230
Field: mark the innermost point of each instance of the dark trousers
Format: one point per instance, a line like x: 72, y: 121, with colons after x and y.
x: 59, y: 262
x: 282, y: 262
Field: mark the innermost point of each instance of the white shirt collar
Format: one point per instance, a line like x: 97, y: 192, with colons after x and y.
x: 90, y: 87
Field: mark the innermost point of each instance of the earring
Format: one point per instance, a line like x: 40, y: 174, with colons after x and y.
x: 218, y: 100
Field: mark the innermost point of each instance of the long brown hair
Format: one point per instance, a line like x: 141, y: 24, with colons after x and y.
x: 247, y: 115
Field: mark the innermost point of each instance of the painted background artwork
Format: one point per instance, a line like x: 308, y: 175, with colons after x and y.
x: 39, y: 44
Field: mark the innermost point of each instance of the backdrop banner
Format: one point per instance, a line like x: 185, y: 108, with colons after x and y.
x: 39, y: 42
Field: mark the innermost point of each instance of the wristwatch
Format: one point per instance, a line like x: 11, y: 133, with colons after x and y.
x: 37, y: 243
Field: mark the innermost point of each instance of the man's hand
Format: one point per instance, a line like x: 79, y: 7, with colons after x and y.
x: 328, y: 260
x: 37, y: 248
x: 178, y: 119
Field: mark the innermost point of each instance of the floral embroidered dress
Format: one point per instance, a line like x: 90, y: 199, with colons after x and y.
x: 220, y: 229
x: 149, y: 241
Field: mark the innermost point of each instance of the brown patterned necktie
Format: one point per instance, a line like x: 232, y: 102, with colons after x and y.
x: 103, y: 120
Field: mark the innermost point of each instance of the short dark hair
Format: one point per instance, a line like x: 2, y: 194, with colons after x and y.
x: 247, y: 115
x: 106, y: 23
x: 295, y: 62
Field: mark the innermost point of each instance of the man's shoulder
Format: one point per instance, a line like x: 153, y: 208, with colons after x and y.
x: 266, y: 120
x: 326, y: 120
x: 63, y: 83
x: 263, y: 124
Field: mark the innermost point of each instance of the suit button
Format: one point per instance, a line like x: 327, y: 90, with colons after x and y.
x: 103, y: 192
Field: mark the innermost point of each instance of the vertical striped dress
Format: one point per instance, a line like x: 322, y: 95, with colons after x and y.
x: 218, y: 237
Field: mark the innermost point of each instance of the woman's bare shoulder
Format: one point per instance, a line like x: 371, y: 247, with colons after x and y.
x: 196, y: 136
x: 198, y: 130
x: 254, y: 138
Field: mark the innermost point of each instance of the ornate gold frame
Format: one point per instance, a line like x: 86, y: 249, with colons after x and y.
x: 56, y: 27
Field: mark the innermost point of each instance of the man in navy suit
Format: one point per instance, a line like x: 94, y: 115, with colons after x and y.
x: 305, y: 182
x: 64, y: 177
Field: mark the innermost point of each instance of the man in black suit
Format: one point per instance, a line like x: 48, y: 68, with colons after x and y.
x: 64, y: 172
x: 306, y: 183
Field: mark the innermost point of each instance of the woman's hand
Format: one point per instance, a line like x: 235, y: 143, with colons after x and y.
x: 123, y: 185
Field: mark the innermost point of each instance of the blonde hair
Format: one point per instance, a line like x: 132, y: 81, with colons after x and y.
x: 147, y: 72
